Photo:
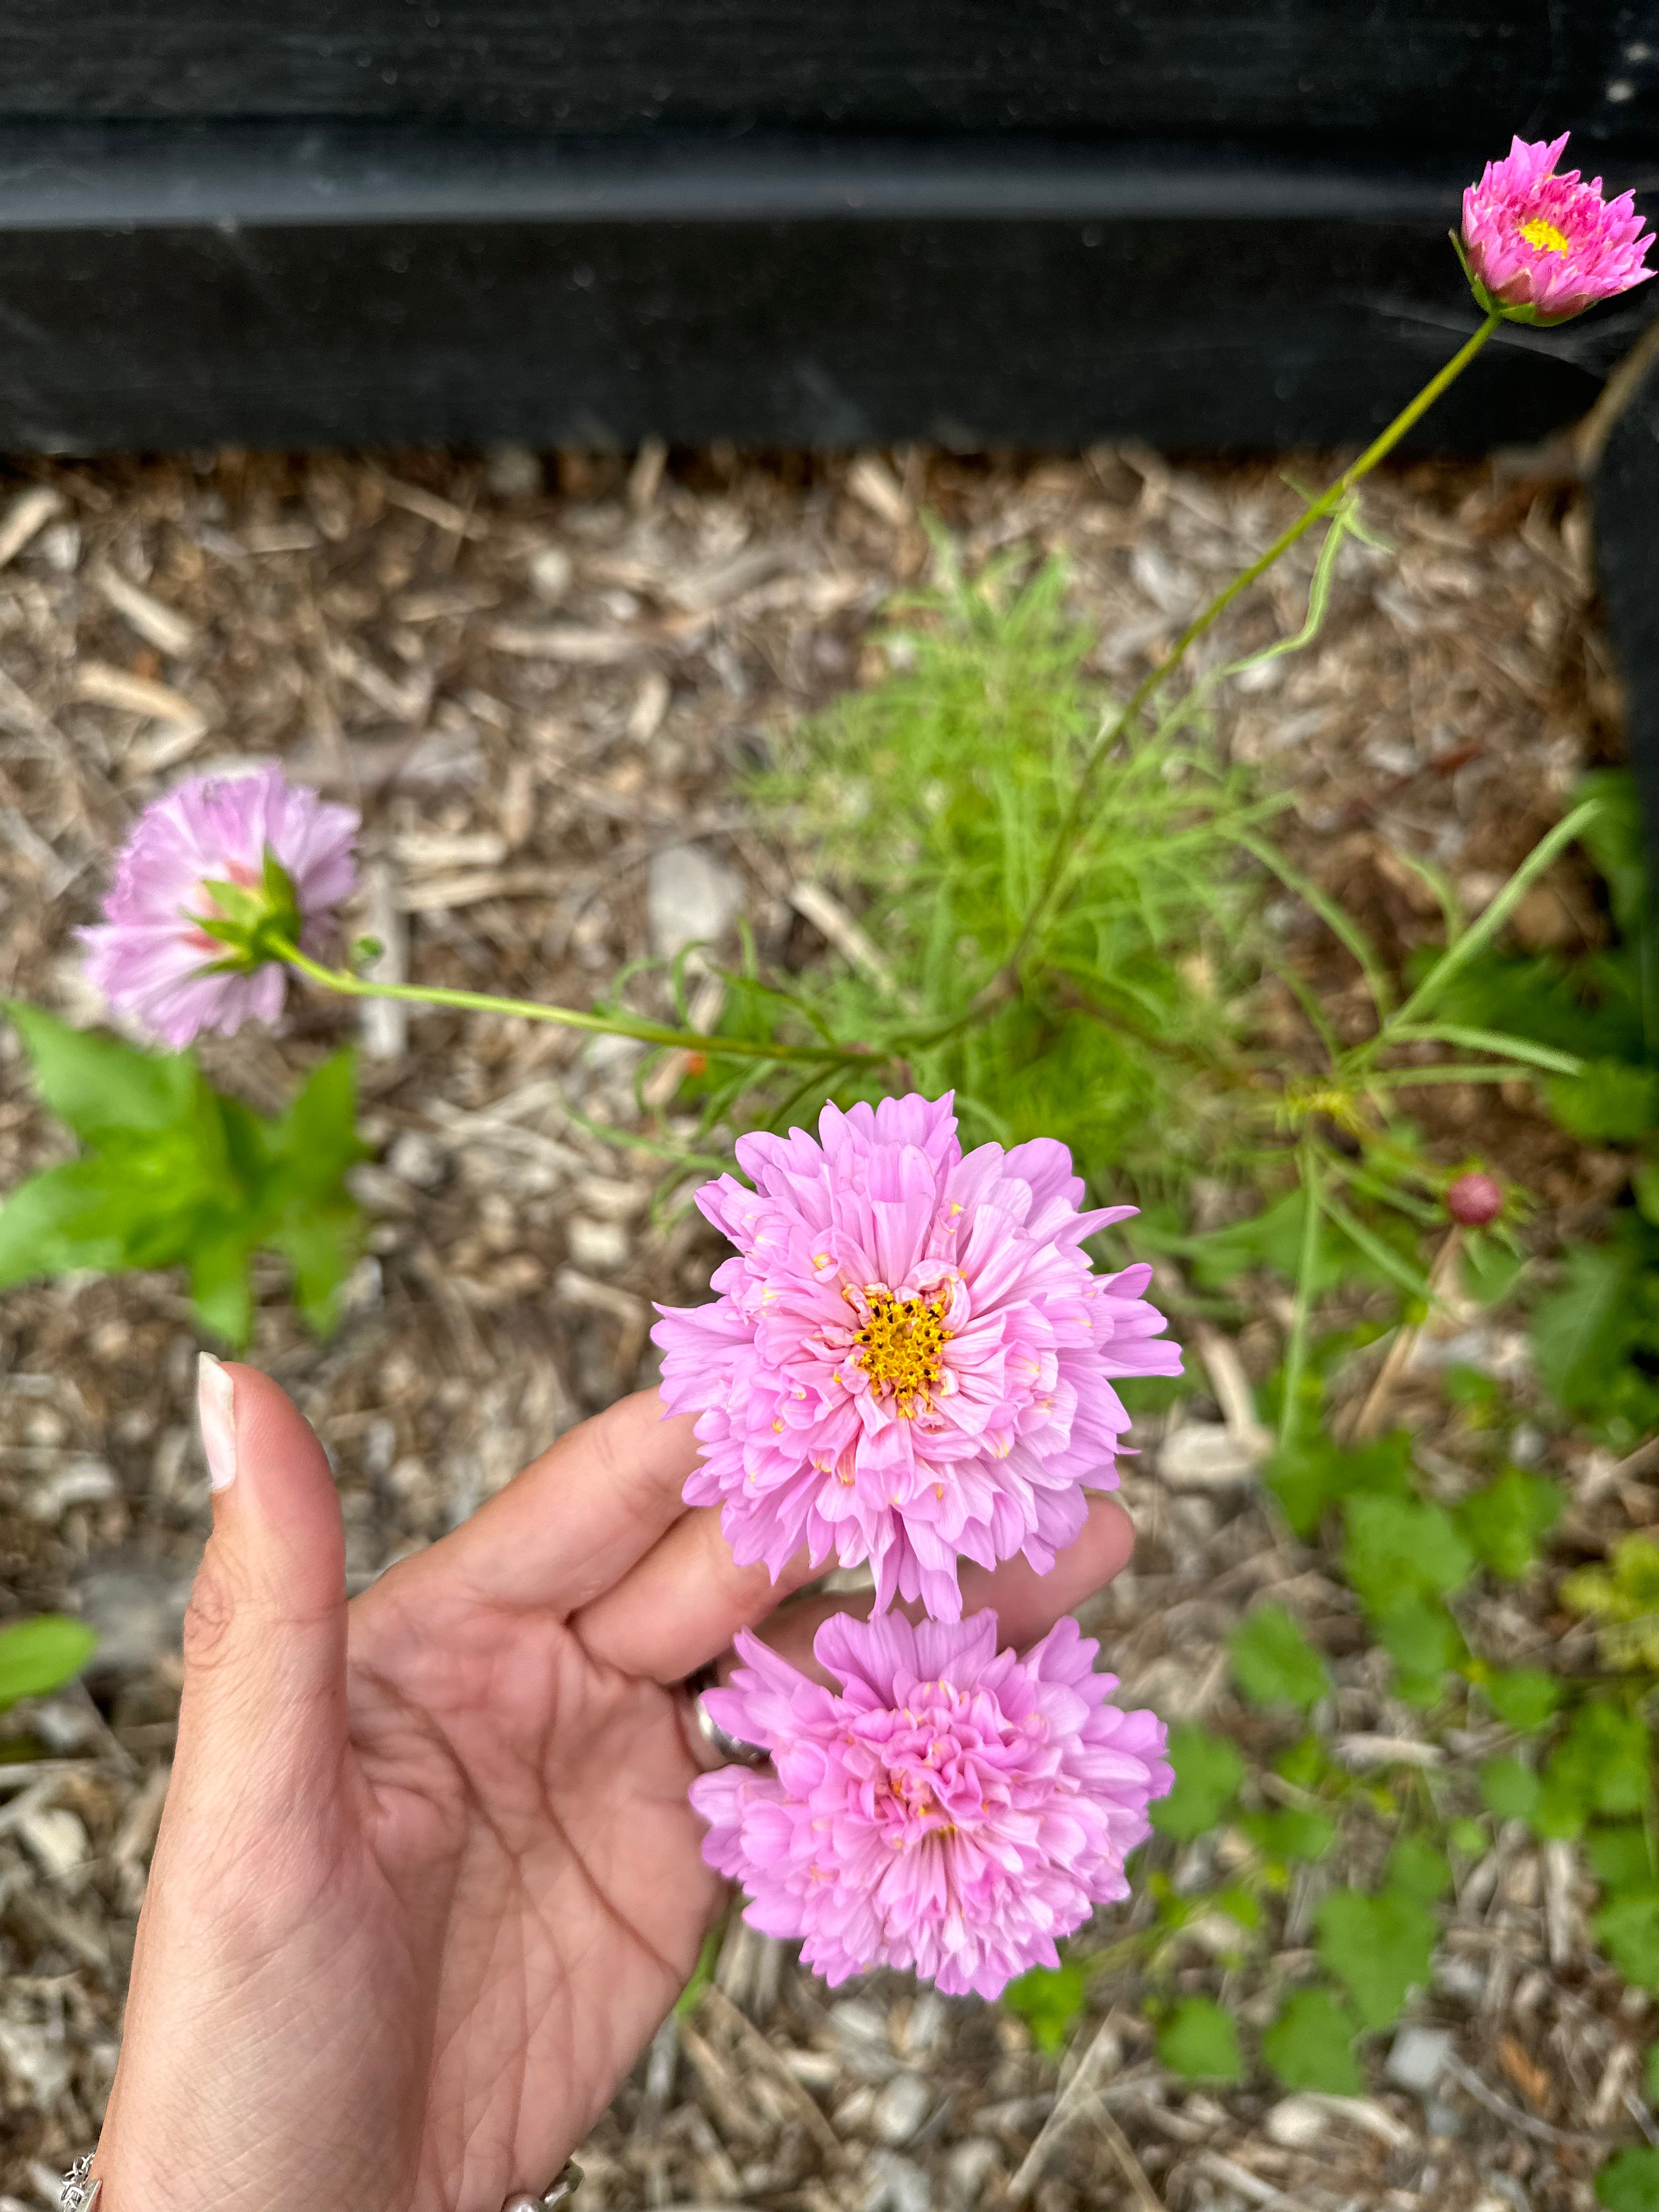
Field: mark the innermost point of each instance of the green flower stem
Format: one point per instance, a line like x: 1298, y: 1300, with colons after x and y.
x: 348, y: 986
x: 1327, y: 502
x: 1295, y: 1348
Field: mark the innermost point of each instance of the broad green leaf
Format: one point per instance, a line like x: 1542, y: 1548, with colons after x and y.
x: 1050, y: 2001
x: 320, y: 1239
x: 1621, y: 1857
x: 1317, y: 1472
x: 317, y: 1137
x: 1198, y: 2042
x: 1610, y: 1102
x: 1417, y: 1869
x: 1208, y: 1771
x: 1424, y: 1642
x: 1508, y: 1520
x: 1650, y: 2075
x: 219, y: 1284
x: 1614, y: 841
x: 1489, y: 1267
x: 1629, y: 2182
x: 1524, y: 1698
x: 98, y: 1084
x: 1273, y: 1238
x: 1625, y: 1592
x: 1290, y: 1831
x: 1379, y: 1948
x: 84, y: 1214
x: 1310, y: 2044
x: 1398, y: 1546
x: 1627, y: 1930
x: 1582, y: 1331
x: 1275, y: 1664
x: 1601, y: 1765
x: 1509, y: 1788
x: 41, y: 1655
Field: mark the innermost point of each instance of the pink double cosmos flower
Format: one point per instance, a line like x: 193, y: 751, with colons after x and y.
x: 1541, y: 247
x: 206, y: 870
x: 910, y: 1358
x: 954, y: 1809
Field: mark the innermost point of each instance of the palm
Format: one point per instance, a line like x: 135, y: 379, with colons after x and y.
x: 527, y: 1815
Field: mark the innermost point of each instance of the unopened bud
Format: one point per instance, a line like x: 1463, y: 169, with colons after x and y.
x: 1474, y: 1200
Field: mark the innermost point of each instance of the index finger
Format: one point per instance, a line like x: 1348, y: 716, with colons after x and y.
x: 579, y: 1516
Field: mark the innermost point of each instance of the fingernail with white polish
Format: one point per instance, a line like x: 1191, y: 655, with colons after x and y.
x: 216, y: 1409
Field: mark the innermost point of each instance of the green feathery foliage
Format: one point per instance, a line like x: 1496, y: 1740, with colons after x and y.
x: 931, y: 802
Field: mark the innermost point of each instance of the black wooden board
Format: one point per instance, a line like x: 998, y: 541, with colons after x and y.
x: 1416, y: 72
x: 283, y: 288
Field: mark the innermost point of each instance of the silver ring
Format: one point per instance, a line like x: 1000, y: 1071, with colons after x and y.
x: 731, y: 1749
x: 560, y: 2190
x: 75, y: 2196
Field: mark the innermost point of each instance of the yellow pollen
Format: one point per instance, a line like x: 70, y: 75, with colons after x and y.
x: 901, y: 1347
x: 1545, y: 236
x: 777, y: 1428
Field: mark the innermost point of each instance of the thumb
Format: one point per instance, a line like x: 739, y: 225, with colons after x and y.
x: 263, y: 1708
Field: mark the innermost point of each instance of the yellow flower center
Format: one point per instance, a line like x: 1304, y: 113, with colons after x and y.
x: 1545, y: 236
x: 901, y: 1345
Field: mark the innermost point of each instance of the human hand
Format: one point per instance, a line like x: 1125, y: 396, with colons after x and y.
x: 427, y: 1879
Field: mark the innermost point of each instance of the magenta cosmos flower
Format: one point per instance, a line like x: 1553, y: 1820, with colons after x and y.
x: 1541, y: 247
x: 955, y: 1809
x: 209, y: 873
x: 910, y: 1357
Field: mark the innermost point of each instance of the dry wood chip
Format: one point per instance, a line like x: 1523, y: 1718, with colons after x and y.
x: 443, y: 513
x: 1527, y: 2076
x: 831, y: 919
x: 1252, y: 2186
x: 267, y: 537
x: 569, y: 642
x: 101, y: 685
x: 874, y: 484
x: 754, y: 2045
x: 159, y: 625
x: 1362, y: 1751
x: 440, y: 893
x: 29, y: 512
x: 705, y: 589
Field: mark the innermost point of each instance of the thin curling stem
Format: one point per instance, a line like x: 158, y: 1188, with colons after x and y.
x: 348, y: 986
x: 1327, y: 502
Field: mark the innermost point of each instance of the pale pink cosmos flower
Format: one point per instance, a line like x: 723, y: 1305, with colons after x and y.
x: 1542, y: 247
x: 150, y: 956
x: 954, y: 1809
x: 910, y: 1357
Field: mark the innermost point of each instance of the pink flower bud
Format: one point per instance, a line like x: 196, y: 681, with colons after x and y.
x: 1474, y: 1200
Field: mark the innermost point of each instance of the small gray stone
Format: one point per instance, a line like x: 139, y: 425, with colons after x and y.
x: 1418, y: 2059
x: 599, y: 1248
x: 418, y: 1159
x: 692, y: 898
x: 1297, y: 2123
x: 967, y: 2169
x: 861, y: 2030
x: 549, y: 574
x: 512, y: 472
x: 137, y: 1606
x: 897, y: 2184
x: 901, y: 2107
